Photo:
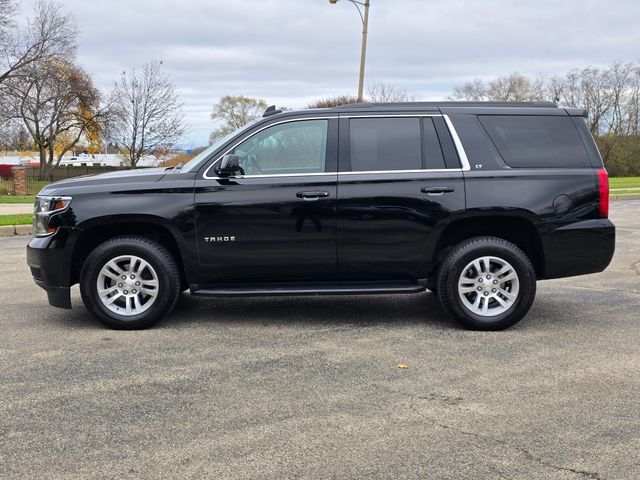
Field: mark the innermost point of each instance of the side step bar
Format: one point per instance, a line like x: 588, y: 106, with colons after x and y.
x: 284, y: 289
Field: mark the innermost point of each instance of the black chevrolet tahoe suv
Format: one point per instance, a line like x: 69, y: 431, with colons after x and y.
x: 472, y: 201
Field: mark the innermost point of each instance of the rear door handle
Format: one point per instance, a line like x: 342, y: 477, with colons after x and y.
x: 437, y: 190
x: 312, y: 195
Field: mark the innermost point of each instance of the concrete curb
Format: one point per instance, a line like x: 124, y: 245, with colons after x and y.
x: 7, y: 231
x: 625, y: 196
x: 11, y: 230
x: 23, y: 229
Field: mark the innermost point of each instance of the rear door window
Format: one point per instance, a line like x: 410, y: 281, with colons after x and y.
x: 385, y: 144
x: 536, y: 141
x: 395, y: 143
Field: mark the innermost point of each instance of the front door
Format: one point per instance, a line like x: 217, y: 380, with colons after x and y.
x: 274, y: 221
x: 400, y: 181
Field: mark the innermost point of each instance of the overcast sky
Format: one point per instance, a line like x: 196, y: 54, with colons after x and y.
x: 292, y: 51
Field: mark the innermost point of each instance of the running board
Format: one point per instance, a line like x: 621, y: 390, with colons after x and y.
x: 284, y: 289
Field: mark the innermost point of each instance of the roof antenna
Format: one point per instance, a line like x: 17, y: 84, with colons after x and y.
x: 271, y: 111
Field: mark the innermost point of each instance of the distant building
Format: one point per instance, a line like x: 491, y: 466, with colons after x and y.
x: 82, y: 160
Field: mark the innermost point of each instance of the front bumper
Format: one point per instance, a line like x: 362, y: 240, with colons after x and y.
x: 579, y: 248
x: 50, y: 260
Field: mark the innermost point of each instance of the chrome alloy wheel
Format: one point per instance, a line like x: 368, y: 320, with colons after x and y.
x: 488, y: 286
x: 127, y: 285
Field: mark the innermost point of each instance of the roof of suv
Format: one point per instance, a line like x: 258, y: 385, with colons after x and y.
x: 437, y: 105
x: 448, y: 107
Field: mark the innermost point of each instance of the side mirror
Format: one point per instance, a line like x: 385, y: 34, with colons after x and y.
x: 229, y: 165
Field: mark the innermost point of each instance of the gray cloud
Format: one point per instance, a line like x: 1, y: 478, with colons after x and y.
x: 291, y: 51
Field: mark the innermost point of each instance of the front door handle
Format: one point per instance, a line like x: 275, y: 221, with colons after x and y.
x: 309, y: 196
x: 437, y: 190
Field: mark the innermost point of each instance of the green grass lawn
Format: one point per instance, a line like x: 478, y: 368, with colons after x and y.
x: 626, y: 191
x: 624, y: 182
x: 15, y: 219
x: 14, y: 199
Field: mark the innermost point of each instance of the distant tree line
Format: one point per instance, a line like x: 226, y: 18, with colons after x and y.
x: 50, y: 104
x: 610, y: 95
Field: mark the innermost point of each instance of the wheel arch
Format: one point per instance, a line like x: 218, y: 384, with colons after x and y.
x: 519, y: 230
x: 100, y: 230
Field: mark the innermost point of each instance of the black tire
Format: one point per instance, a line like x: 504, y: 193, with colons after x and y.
x: 168, y: 279
x: 452, y: 269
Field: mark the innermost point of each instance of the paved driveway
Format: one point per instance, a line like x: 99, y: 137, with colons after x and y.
x: 275, y: 388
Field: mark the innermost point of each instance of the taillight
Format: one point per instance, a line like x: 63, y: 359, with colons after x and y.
x: 603, y: 190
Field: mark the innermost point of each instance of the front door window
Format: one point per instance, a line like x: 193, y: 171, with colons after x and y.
x: 287, y: 148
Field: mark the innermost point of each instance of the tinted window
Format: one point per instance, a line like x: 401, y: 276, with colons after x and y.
x: 536, y: 141
x: 431, y: 150
x: 385, y: 144
x: 293, y: 147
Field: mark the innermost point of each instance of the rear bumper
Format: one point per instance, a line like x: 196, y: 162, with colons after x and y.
x: 579, y: 248
x: 49, y: 259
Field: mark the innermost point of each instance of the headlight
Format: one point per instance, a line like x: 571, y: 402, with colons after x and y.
x: 43, y: 208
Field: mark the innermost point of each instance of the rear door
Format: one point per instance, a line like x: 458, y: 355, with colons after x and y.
x: 399, y: 182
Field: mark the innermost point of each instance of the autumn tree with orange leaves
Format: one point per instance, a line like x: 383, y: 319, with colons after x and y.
x: 59, y: 105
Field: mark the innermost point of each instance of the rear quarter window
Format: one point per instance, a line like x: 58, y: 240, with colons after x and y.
x: 536, y: 141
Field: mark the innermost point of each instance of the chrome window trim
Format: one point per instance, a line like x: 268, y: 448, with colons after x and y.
x: 466, y: 166
x: 462, y: 155
x: 420, y: 170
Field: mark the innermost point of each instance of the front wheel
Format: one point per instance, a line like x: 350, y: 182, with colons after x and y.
x: 486, y: 283
x: 129, y: 282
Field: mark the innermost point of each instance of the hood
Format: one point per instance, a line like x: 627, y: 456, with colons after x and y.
x: 110, y: 178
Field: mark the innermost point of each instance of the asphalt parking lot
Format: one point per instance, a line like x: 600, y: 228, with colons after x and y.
x: 309, y: 387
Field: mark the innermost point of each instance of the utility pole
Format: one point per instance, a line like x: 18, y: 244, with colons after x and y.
x: 365, y: 30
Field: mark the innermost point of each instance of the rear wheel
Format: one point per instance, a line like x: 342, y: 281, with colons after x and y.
x: 129, y: 282
x: 486, y: 283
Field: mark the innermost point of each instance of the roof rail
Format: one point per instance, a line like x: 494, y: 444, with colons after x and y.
x: 449, y: 104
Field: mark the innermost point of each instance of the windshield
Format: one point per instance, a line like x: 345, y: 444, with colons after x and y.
x: 212, y: 148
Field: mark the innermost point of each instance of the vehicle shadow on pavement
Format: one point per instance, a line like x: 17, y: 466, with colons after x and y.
x: 363, y: 310
x: 329, y: 311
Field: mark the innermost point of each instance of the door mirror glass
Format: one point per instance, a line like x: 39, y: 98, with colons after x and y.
x: 229, y: 165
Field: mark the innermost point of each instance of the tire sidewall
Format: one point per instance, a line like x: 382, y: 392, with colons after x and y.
x: 489, y: 247
x: 167, y: 287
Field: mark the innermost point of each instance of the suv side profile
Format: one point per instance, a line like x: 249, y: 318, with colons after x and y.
x: 473, y: 201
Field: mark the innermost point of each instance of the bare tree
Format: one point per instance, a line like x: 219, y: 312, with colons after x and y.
x: 146, y: 113
x: 473, y: 91
x: 49, y: 34
x: 516, y: 88
x: 8, y: 135
x: 58, y: 105
x: 7, y: 12
x: 510, y: 88
x: 335, y: 101
x: 234, y: 112
x: 385, y: 93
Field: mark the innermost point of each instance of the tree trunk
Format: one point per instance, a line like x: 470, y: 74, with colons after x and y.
x: 43, y: 162
x: 50, y: 165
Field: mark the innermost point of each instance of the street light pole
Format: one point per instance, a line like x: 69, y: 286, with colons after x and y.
x: 365, y: 31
